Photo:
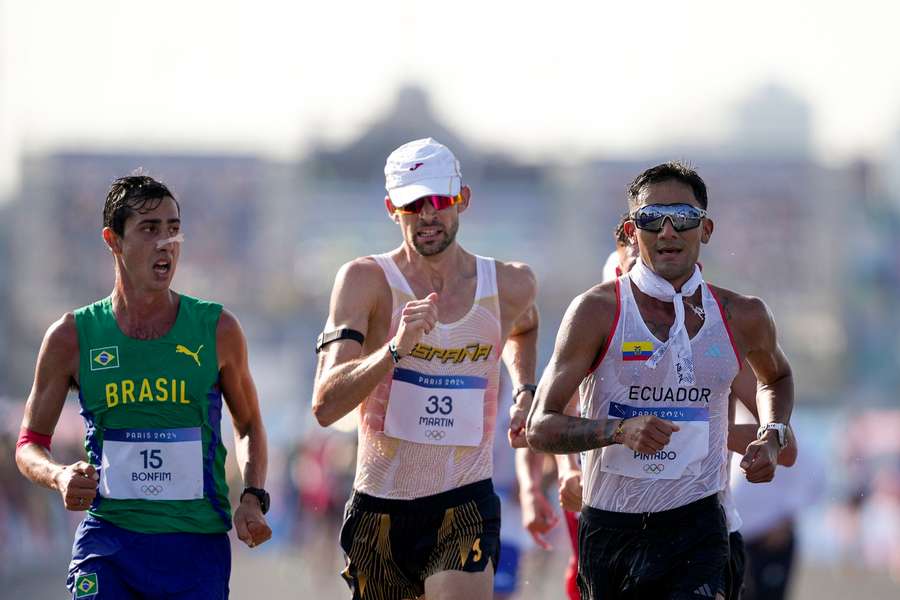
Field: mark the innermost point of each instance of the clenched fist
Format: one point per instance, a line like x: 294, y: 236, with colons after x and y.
x: 518, y: 416
x: 77, y: 484
x: 570, y: 491
x: 417, y: 319
x: 646, y: 434
x: 760, y: 460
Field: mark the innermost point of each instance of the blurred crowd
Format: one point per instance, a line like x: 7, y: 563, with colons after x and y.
x: 867, y: 522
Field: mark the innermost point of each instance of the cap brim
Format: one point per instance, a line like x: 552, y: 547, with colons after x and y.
x: 440, y: 186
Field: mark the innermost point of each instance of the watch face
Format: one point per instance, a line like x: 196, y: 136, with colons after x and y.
x: 779, y: 430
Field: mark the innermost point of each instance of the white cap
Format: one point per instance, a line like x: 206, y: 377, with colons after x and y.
x: 421, y: 168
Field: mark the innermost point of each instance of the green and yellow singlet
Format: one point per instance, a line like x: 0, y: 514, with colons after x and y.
x: 152, y: 410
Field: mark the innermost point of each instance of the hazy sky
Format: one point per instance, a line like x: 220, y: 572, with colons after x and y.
x: 580, y: 77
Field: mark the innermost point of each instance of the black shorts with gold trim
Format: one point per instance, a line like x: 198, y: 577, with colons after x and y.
x: 393, y: 546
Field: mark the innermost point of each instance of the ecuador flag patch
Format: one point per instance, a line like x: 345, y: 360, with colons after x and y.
x: 637, y: 350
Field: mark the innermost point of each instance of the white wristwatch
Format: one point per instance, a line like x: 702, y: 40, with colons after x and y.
x: 780, y: 429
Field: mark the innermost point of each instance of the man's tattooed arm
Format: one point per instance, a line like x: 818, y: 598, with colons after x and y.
x: 548, y: 428
x: 562, y: 434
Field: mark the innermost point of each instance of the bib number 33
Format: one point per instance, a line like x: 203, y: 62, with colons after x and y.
x: 442, y: 405
x: 443, y: 410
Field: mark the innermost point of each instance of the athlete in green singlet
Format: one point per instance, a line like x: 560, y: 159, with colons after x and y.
x: 151, y: 368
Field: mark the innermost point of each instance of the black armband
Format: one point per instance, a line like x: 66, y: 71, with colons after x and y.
x: 326, y: 338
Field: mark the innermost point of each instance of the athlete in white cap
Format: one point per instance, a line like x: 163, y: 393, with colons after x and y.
x: 413, y: 342
x: 661, y: 348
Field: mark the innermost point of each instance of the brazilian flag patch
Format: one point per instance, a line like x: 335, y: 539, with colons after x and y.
x: 86, y: 585
x: 104, y: 358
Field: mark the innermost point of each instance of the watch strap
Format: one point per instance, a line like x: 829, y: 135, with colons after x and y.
x: 780, y: 430
x: 261, y: 495
x: 525, y: 387
x: 392, y: 348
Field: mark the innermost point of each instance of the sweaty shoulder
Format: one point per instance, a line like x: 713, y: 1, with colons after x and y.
x: 363, y: 268
x: 360, y: 291
x: 363, y: 274
x: 230, y: 340
x: 747, y: 316
x: 597, y: 306
x: 228, y: 326
x: 63, y: 333
x: 60, y: 347
x: 516, y: 280
x: 587, y: 325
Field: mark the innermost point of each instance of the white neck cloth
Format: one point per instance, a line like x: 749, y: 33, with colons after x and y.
x: 655, y: 286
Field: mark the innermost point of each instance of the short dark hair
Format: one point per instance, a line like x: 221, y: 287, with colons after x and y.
x: 621, y: 237
x: 676, y: 170
x: 133, y: 194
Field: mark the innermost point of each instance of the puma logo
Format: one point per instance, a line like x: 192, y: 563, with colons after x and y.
x: 179, y: 349
x: 417, y: 165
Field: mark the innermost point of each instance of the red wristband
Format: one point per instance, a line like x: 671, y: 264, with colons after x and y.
x: 27, y: 436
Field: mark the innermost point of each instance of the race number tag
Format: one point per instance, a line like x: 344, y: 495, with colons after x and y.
x: 684, y: 452
x: 152, y: 464
x: 444, y: 410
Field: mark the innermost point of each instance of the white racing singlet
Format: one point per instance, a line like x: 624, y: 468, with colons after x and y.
x: 428, y: 427
x: 733, y: 519
x: 694, y: 464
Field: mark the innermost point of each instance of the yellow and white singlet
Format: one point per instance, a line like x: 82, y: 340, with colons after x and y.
x: 428, y: 427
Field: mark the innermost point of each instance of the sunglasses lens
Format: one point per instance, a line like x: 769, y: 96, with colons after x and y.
x: 438, y: 202
x: 442, y: 202
x: 648, y: 218
x: 682, y: 216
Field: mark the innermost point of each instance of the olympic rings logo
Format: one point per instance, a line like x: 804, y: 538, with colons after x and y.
x: 435, y: 434
x: 654, y: 468
x: 152, y: 490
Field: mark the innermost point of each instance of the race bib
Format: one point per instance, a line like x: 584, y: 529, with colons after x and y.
x: 152, y: 464
x: 684, y: 452
x: 444, y: 410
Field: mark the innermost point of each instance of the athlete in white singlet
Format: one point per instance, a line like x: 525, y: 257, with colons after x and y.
x: 661, y: 348
x: 413, y: 342
x: 618, y: 478
x: 409, y: 448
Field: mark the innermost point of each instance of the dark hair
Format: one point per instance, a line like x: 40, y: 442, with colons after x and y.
x: 676, y: 170
x: 133, y: 194
x: 621, y: 238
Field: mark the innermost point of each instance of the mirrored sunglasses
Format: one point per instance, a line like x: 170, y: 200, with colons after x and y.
x: 437, y: 202
x: 651, y: 217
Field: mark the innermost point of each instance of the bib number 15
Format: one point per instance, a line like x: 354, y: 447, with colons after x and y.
x: 152, y: 458
x: 443, y: 405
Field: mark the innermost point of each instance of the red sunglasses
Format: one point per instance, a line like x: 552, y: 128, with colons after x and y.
x: 438, y: 202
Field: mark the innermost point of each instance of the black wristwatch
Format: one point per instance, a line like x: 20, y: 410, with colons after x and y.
x: 525, y: 387
x: 261, y: 495
x: 395, y: 355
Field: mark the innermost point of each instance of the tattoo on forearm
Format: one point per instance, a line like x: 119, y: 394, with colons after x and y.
x: 567, y: 435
